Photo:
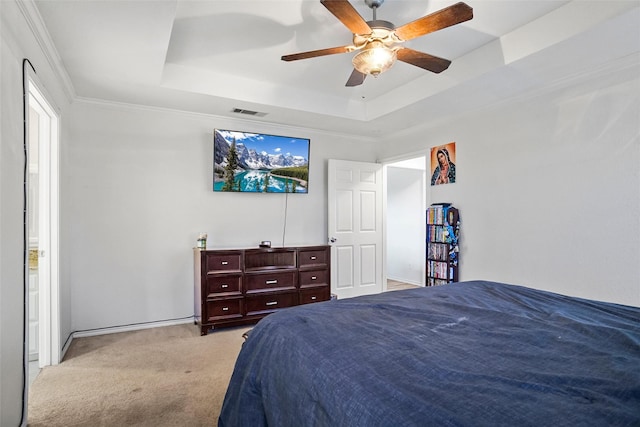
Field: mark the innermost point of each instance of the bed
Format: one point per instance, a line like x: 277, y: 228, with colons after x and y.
x: 464, y: 354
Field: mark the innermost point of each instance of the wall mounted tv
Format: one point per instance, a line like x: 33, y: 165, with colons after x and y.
x: 259, y: 163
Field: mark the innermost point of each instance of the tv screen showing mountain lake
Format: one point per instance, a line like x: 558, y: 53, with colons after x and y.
x: 260, y: 163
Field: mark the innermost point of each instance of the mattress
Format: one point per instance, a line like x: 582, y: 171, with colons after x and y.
x: 463, y: 354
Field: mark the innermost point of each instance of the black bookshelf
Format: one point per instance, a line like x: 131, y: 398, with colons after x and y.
x: 443, y: 250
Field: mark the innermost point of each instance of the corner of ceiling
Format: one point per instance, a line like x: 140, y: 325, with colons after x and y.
x: 33, y: 18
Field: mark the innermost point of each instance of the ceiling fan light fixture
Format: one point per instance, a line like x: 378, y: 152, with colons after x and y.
x: 379, y: 43
x: 374, y: 59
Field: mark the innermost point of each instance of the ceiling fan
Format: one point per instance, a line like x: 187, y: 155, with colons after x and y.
x: 380, y: 42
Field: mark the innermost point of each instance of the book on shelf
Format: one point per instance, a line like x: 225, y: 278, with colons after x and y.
x: 438, y: 251
x: 438, y: 269
x: 437, y: 233
x: 436, y: 282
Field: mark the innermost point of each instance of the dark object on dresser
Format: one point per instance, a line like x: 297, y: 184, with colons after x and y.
x: 241, y: 286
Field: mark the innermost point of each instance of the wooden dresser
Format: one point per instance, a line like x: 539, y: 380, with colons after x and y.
x: 240, y: 286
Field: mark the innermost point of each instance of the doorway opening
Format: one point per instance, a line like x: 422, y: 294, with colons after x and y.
x: 42, y: 183
x: 405, y: 222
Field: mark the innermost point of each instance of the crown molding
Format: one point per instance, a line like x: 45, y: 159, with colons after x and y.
x: 34, y: 20
x: 264, y: 125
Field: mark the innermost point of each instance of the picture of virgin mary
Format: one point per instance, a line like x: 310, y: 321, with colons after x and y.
x: 442, y: 164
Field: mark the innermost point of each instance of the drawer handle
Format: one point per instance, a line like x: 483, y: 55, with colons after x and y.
x: 313, y: 298
x: 272, y: 303
x: 225, y: 308
x: 271, y: 282
x: 224, y: 262
x: 224, y: 286
x: 313, y: 257
x: 313, y: 277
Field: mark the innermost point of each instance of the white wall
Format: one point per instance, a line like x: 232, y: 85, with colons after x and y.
x: 138, y: 190
x: 16, y: 43
x: 11, y: 243
x: 549, y: 187
x: 405, y: 242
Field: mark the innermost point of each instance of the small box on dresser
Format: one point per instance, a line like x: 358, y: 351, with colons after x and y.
x: 241, y: 286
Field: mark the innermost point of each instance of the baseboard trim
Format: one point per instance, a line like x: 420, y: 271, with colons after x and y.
x: 129, y: 328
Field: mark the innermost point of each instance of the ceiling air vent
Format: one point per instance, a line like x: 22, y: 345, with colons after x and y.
x: 248, y: 112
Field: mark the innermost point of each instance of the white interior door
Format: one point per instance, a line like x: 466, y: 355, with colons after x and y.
x: 33, y: 222
x: 42, y: 209
x: 355, y: 228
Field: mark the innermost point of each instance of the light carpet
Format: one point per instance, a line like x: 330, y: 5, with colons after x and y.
x: 167, y: 376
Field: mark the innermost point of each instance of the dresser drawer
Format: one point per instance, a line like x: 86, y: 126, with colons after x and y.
x: 313, y: 257
x: 310, y: 295
x: 269, y: 259
x: 314, y: 278
x: 271, y: 281
x: 223, y: 284
x: 223, y: 309
x: 262, y: 304
x: 219, y: 261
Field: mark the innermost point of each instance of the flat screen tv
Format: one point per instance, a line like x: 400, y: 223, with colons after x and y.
x: 260, y: 163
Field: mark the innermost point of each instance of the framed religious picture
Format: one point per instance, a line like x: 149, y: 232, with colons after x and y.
x: 443, y: 164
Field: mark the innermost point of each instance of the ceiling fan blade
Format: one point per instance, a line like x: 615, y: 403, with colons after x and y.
x: 423, y: 60
x: 319, y: 52
x: 348, y: 15
x: 443, y: 18
x: 356, y: 78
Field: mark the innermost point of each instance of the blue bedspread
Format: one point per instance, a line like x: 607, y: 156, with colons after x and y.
x: 468, y: 354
